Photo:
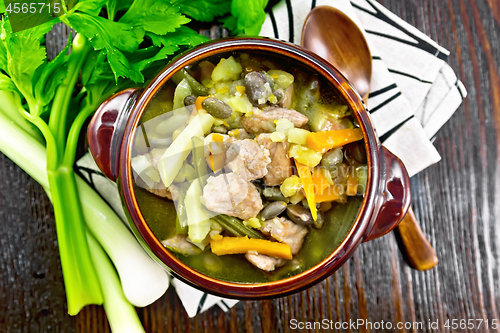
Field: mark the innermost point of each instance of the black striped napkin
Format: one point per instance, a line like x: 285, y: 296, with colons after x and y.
x: 413, y: 93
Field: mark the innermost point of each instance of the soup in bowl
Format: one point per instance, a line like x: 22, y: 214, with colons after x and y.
x: 249, y: 168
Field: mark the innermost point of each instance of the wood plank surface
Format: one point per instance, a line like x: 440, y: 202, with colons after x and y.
x: 457, y: 202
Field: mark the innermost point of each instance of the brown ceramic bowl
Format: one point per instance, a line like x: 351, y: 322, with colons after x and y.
x: 386, y: 199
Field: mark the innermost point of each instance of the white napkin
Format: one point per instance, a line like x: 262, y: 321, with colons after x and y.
x: 413, y: 93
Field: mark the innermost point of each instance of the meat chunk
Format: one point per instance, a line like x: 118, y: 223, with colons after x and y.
x: 334, y: 125
x: 266, y: 263
x: 155, y: 156
x: 239, y: 134
x: 287, y: 99
x: 172, y: 192
x: 179, y: 244
x: 285, y: 231
x: 248, y: 159
x: 232, y: 195
x: 263, y: 122
x: 161, y: 192
x: 280, y: 167
x: 156, y: 187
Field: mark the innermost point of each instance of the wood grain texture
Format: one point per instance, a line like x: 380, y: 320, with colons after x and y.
x: 456, y: 201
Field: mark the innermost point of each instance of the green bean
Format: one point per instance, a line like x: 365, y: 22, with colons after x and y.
x: 332, y: 158
x: 235, y: 227
x: 200, y: 168
x: 256, y: 89
x: 217, y: 108
x: 362, y: 173
x: 299, y: 215
x: 318, y: 224
x: 190, y: 100
x: 227, y: 226
x: 181, y: 226
x: 219, y: 129
x: 272, y: 210
x: 197, y: 87
x: 199, y: 163
x: 358, y: 153
x: 280, y: 95
x: 274, y: 194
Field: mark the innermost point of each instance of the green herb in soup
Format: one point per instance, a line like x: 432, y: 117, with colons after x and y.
x: 264, y: 165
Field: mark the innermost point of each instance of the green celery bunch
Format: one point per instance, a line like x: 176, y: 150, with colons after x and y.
x: 24, y: 149
x: 22, y: 65
x: 118, y: 44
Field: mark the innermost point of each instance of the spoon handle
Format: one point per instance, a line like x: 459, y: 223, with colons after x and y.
x: 419, y: 251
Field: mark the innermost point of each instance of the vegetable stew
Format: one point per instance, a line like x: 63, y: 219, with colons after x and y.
x: 249, y: 169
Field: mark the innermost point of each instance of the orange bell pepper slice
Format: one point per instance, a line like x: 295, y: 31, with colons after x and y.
x: 198, y: 101
x: 325, y: 140
x: 329, y: 194
x: 216, y: 162
x: 352, y: 182
x: 239, y: 245
x: 319, y: 180
x: 309, y: 189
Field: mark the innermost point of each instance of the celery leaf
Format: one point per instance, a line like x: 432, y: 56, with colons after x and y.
x: 106, y: 34
x: 162, y: 54
x: 204, y: 10
x: 113, y: 37
x: 160, y: 18
x: 249, y: 16
x: 182, y: 36
x: 24, y: 55
x: 90, y: 6
x: 51, y: 76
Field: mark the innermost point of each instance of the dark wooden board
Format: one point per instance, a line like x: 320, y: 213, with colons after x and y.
x: 456, y: 201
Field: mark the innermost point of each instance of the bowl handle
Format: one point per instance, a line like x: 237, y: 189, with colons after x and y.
x: 105, y: 131
x: 396, y: 196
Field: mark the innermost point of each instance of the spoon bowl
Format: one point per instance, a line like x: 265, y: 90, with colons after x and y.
x: 342, y: 44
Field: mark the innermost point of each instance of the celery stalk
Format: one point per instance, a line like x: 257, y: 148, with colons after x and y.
x: 142, y: 279
x: 59, y: 112
x: 81, y: 289
x: 198, y: 218
x: 9, y: 102
x: 80, y: 279
x: 171, y: 162
x: 121, y: 315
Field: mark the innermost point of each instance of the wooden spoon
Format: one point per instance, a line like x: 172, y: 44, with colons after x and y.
x: 331, y: 34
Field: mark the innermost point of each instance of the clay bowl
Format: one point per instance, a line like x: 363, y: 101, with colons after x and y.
x: 387, y: 195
